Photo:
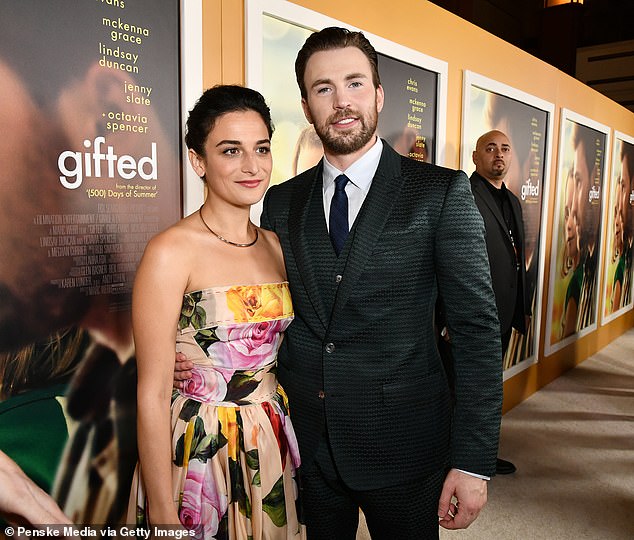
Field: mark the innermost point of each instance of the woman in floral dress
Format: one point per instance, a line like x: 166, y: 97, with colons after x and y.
x: 218, y: 456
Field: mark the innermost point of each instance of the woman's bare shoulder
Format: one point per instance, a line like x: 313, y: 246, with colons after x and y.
x: 175, y: 241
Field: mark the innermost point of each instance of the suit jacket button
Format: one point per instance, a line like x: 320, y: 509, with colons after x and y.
x: 330, y: 347
x: 321, y: 394
x: 338, y: 278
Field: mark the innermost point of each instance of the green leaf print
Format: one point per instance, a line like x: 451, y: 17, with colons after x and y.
x: 223, y: 527
x: 190, y: 308
x: 209, y: 446
x: 189, y: 304
x: 253, y: 459
x: 253, y: 462
x: 199, y: 317
x: 203, y: 446
x: 198, y: 435
x: 238, y: 493
x: 179, y: 451
x: 189, y: 410
x: 242, y: 384
x: 199, y: 431
x: 273, y: 504
x: 205, y: 338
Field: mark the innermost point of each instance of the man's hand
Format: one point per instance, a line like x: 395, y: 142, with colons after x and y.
x: 21, y: 499
x: 182, y: 370
x: 470, y: 495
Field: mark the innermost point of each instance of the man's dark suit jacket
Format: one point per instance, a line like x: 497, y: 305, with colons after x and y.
x: 360, y: 358
x: 512, y: 306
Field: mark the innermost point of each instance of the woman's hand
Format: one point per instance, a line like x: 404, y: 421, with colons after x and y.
x: 21, y: 499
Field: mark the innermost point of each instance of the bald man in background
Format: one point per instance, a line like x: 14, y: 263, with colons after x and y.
x: 504, y: 224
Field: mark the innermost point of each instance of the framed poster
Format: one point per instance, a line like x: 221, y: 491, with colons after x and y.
x: 91, y: 170
x: 617, y: 279
x: 191, y: 89
x: 576, y: 250
x: 413, y: 117
x: 527, y: 122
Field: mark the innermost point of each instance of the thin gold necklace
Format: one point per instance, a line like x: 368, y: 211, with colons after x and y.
x: 222, y: 238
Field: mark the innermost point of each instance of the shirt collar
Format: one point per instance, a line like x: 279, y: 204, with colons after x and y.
x: 361, y: 172
x: 500, y: 192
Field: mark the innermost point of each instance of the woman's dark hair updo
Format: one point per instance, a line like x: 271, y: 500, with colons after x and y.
x: 214, y: 103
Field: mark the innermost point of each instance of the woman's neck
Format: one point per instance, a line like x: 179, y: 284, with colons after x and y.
x: 231, y: 222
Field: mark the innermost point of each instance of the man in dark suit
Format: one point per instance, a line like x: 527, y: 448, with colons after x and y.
x: 367, y: 253
x: 502, y: 214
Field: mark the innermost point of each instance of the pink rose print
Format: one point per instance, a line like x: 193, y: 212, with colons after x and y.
x: 205, y: 385
x: 293, y: 447
x: 247, y: 346
x: 192, y: 496
x: 202, y: 504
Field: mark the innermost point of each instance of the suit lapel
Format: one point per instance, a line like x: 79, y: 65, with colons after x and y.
x: 493, y: 207
x: 306, y: 231
x: 371, y: 220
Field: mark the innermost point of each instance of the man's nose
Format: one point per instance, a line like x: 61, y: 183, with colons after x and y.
x: 342, y: 100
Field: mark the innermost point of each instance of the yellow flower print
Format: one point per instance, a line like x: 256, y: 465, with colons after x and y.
x: 229, y: 428
x: 283, y: 395
x: 258, y: 302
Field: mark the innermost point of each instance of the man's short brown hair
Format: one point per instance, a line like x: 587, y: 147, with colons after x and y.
x: 334, y: 38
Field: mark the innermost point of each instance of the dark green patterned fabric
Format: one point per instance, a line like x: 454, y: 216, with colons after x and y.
x: 360, y: 356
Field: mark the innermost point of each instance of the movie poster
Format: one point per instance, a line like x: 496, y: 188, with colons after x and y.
x: 295, y: 145
x: 617, y: 296
x: 526, y: 121
x: 576, y: 241
x: 90, y: 171
x: 409, y: 120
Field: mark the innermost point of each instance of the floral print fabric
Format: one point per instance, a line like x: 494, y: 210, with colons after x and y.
x: 235, y: 454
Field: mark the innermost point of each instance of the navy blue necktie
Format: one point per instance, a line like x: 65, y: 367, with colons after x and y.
x: 338, y: 221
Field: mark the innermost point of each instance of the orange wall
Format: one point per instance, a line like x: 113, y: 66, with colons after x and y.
x: 424, y: 27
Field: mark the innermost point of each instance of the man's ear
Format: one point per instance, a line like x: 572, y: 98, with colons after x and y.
x: 380, y: 98
x: 307, y: 111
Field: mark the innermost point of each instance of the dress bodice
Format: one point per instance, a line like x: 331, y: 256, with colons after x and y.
x: 232, y: 335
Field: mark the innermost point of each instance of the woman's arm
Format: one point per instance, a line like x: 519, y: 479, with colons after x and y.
x: 156, y: 302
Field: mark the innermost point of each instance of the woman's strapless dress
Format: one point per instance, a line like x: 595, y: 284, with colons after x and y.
x: 234, y: 451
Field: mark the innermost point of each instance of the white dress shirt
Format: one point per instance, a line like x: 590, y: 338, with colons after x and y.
x: 360, y: 174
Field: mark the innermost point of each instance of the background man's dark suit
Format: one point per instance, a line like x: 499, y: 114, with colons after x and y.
x: 360, y: 359
x: 508, y: 283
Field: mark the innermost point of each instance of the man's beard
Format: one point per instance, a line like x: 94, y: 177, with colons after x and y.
x: 342, y: 143
x: 499, y: 170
